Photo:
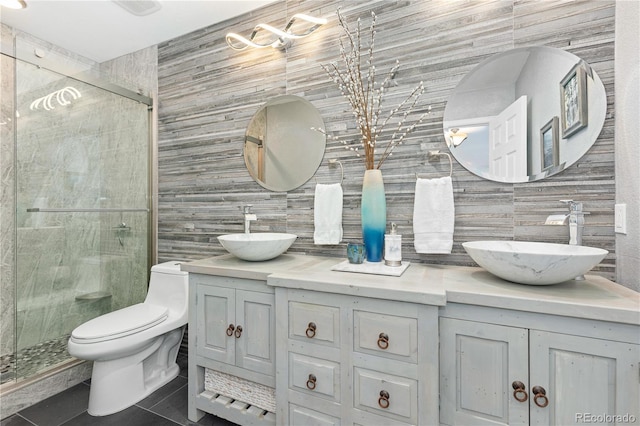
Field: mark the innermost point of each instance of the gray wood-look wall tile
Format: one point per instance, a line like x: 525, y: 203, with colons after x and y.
x: 209, y: 92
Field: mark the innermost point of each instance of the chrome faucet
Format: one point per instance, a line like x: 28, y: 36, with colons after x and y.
x: 576, y: 222
x: 248, y: 217
x: 575, y: 219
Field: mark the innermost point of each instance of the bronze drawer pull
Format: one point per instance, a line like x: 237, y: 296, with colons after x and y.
x: 311, y: 330
x: 383, y: 341
x: 230, y: 330
x: 519, y: 392
x: 540, y: 393
x: 383, y: 401
x: 311, y: 383
x: 238, y: 331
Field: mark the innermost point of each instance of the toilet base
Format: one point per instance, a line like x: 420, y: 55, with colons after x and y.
x: 120, y: 383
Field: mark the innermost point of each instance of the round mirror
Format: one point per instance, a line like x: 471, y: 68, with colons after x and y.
x: 525, y: 114
x: 281, y: 149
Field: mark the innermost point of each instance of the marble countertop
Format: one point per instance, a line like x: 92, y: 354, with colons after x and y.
x: 230, y: 266
x: 594, y: 298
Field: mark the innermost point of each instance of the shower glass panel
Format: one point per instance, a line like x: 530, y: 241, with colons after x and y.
x: 82, y: 210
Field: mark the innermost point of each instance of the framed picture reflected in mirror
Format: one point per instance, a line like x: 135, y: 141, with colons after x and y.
x: 573, y: 100
x: 549, y: 144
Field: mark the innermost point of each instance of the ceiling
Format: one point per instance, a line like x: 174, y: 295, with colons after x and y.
x: 102, y: 30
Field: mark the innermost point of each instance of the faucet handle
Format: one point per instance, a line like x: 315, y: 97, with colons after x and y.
x: 246, y: 209
x: 573, y: 205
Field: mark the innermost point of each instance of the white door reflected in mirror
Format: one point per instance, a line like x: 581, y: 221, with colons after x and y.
x: 508, y: 141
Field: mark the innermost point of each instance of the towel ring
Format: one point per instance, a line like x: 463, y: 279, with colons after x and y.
x: 334, y: 161
x: 434, y: 154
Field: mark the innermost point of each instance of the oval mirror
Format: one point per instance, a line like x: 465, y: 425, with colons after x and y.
x: 281, y: 151
x: 525, y: 114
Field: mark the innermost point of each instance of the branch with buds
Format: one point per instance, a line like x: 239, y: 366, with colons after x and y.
x: 357, y: 83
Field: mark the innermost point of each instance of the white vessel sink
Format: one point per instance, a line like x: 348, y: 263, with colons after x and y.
x: 526, y: 262
x: 257, y: 246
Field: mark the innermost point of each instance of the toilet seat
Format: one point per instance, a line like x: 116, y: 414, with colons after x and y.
x: 120, y: 323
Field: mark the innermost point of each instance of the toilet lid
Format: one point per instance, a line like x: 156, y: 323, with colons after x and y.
x: 120, y: 323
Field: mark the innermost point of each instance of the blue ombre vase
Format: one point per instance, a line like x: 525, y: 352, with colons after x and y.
x: 373, y: 215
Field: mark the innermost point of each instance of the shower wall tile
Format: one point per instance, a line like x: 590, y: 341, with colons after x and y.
x: 99, y: 161
x: 137, y: 71
x: 209, y: 92
x: 49, y: 305
x: 7, y: 198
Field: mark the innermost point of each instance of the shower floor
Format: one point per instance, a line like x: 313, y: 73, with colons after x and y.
x: 35, y: 359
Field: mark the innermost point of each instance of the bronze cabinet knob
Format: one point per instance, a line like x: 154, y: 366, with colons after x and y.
x: 311, y: 330
x: 230, y: 330
x: 311, y: 383
x: 383, y: 341
x: 383, y: 401
x: 540, y: 396
x: 519, y: 392
x: 238, y: 331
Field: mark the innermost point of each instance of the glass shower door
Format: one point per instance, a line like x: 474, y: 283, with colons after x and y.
x: 82, y: 210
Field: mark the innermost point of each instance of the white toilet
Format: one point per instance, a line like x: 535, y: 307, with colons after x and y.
x: 134, y: 349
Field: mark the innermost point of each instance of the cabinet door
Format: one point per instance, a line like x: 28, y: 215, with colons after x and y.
x: 215, y: 313
x: 255, y: 349
x: 478, y: 364
x: 583, y: 377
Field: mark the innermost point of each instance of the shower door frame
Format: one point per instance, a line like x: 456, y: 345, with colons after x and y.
x: 151, y: 204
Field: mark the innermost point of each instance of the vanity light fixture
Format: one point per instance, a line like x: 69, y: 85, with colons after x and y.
x: 278, y: 38
x: 13, y: 4
x: 456, y: 136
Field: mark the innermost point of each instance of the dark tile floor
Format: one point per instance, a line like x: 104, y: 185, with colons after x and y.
x: 165, y: 407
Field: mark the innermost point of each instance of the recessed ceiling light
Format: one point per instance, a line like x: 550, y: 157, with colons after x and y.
x: 139, y: 7
x: 13, y: 4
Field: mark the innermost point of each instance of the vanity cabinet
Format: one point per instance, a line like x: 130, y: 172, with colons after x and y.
x: 232, y: 352
x: 349, y: 360
x: 438, y: 345
x: 515, y: 368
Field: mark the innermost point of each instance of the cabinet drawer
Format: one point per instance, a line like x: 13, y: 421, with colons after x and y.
x: 380, y: 393
x: 315, y: 376
x: 314, y: 323
x: 304, y: 416
x: 387, y: 335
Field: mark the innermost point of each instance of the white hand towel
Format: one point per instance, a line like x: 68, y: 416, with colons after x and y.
x: 327, y: 214
x: 433, y: 216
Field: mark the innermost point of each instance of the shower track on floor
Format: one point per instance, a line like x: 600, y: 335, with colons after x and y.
x: 34, y: 359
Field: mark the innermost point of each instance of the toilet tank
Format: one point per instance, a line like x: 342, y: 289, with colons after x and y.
x: 169, y: 286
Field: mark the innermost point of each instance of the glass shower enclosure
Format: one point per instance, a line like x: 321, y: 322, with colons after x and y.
x: 80, y: 215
